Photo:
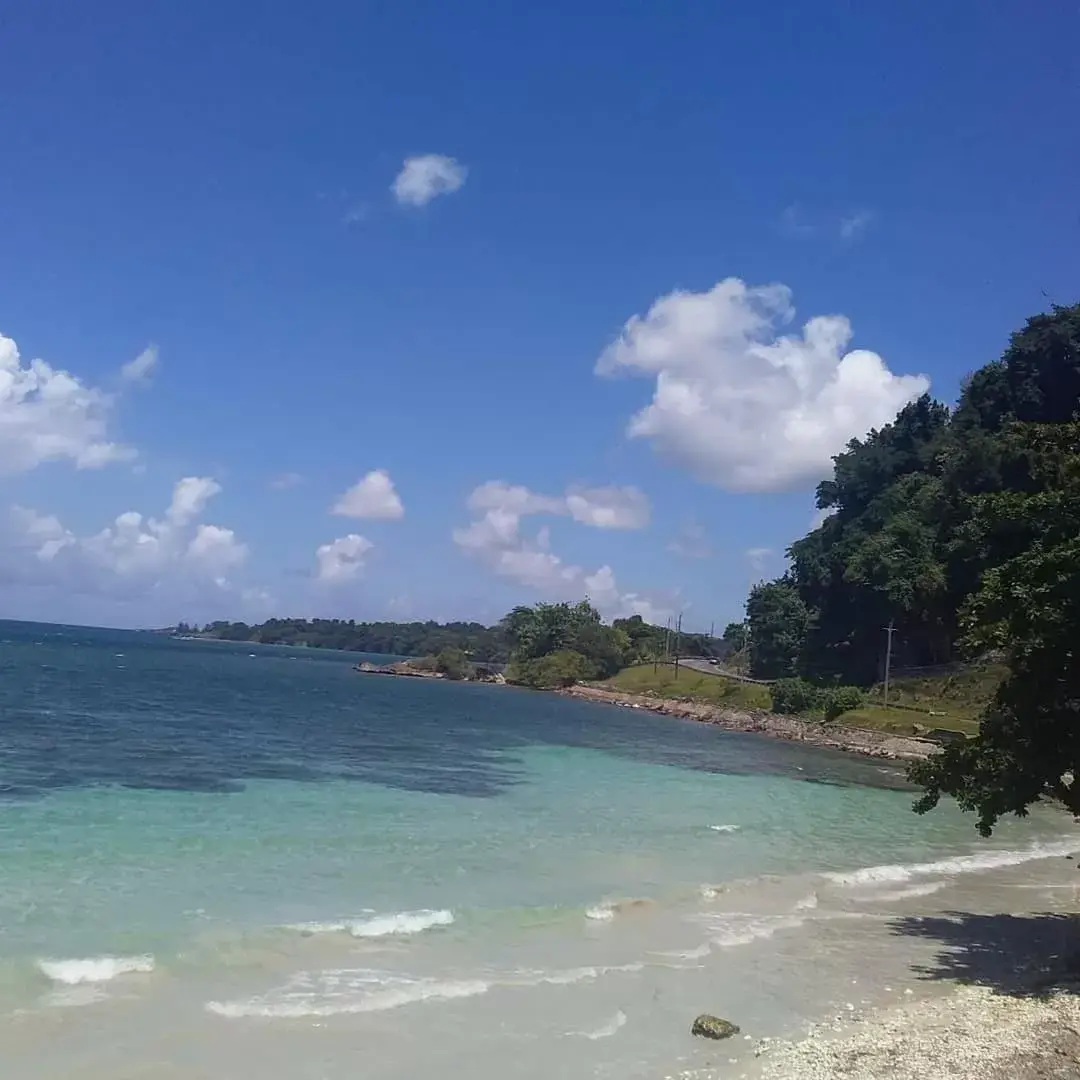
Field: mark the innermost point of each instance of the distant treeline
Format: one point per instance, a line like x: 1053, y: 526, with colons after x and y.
x: 637, y: 639
x: 481, y: 643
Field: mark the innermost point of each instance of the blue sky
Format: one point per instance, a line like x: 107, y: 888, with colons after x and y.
x: 405, y: 243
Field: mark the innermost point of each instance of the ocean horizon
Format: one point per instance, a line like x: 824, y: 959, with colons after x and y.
x: 226, y: 860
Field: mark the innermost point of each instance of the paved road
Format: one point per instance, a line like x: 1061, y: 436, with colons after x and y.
x: 695, y: 663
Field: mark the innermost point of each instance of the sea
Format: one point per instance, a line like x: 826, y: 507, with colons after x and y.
x: 222, y: 861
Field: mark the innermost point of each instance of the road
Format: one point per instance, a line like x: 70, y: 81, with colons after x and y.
x: 695, y: 663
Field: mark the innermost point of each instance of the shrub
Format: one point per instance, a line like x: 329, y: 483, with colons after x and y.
x: 453, y: 663
x: 838, y: 700
x: 553, y: 671
x: 795, y: 696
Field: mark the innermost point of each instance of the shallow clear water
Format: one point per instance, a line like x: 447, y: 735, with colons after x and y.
x: 228, y: 861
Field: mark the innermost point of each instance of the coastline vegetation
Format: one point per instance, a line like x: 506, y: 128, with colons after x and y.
x: 954, y: 534
x: 946, y: 565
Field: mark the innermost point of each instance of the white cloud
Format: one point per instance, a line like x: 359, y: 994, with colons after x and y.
x: 373, y: 496
x: 691, y: 543
x: 190, y: 497
x: 497, y: 540
x: 142, y: 367
x: 49, y: 415
x: 741, y: 405
x: 425, y: 176
x: 133, y: 555
x: 854, y: 225
x: 600, y: 507
x: 342, y: 559
x: 609, y: 507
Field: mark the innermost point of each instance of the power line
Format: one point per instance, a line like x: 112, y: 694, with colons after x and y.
x: 890, y: 630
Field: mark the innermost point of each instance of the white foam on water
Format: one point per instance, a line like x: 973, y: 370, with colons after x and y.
x: 600, y: 913
x: 401, y: 922
x: 95, y: 969
x: 334, y: 993
x: 807, y: 903
x: 606, y: 1030
x: 569, y: 976
x: 687, y: 954
x: 961, y: 864
x: 927, y: 888
x: 728, y: 931
x: 398, y: 922
x: 725, y: 828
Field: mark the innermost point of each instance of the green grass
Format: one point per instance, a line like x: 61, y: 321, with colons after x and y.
x: 950, y: 702
x: 905, y: 721
x: 959, y: 696
x: 714, y: 689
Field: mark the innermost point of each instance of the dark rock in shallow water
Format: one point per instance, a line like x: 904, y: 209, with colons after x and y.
x: 713, y: 1027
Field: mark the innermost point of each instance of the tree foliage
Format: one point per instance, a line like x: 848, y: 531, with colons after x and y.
x: 483, y: 643
x: 453, y: 663
x: 960, y: 529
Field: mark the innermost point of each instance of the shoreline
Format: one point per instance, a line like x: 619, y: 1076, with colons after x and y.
x: 861, y: 741
x: 971, y: 1033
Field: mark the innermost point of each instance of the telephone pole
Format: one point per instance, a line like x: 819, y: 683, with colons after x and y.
x: 678, y: 634
x: 890, y: 630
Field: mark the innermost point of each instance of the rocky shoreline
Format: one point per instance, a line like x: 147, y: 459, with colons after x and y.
x: 970, y: 1034
x: 761, y: 722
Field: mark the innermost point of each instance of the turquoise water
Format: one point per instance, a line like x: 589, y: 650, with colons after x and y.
x: 229, y: 861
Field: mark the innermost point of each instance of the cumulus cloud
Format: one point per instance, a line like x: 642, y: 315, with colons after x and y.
x: 496, y: 539
x: 130, y: 556
x: 743, y: 406
x: 142, y: 367
x: 373, y: 496
x: 600, y: 507
x: 342, y: 559
x: 425, y: 176
x: 49, y: 415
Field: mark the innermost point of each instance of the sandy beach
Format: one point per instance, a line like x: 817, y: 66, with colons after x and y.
x: 760, y: 721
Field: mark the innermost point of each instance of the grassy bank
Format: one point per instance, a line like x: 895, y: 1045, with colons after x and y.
x: 917, y: 704
x: 696, y: 685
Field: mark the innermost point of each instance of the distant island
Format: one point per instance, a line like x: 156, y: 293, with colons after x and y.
x: 546, y: 646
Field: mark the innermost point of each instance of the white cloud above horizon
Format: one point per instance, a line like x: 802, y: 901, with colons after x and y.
x: 496, y: 539
x: 131, y: 556
x: 742, y: 406
x: 142, y: 367
x: 48, y: 415
x: 342, y: 560
x: 426, y: 176
x: 373, y: 496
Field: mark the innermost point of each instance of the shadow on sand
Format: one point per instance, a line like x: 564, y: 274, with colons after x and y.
x: 1020, y: 955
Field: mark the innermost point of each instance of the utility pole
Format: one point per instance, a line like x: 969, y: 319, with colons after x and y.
x: 678, y: 634
x: 890, y: 630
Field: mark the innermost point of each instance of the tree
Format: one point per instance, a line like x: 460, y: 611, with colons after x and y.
x: 553, y: 671
x: 1028, y: 746
x: 779, y: 621
x: 734, y: 636
x: 453, y: 663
